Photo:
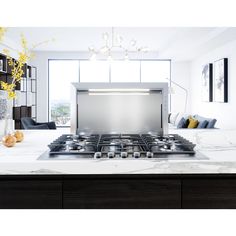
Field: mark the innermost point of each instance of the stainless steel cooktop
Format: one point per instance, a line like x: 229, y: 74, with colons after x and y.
x: 119, y: 146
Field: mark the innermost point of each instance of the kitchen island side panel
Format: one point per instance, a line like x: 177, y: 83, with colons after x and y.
x: 122, y: 193
x: 30, y: 193
x: 128, y: 191
x: 209, y: 193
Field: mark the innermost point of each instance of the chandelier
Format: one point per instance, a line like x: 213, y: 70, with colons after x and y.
x: 115, y: 42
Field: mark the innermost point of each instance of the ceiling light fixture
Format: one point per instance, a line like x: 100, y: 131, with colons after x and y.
x: 115, y: 42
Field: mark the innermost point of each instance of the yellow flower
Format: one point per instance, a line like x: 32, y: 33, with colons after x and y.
x: 7, y: 87
x: 2, y: 33
x: 22, y: 57
x: 11, y: 94
x: 6, y: 51
x: 23, y: 42
x: 17, y: 66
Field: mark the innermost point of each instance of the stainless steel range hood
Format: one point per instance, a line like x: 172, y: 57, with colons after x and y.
x: 119, y: 108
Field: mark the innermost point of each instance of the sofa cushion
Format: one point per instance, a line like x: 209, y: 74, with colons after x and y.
x: 43, y: 126
x: 186, y: 123
x: 181, y: 123
x: 180, y: 116
x: 202, y: 124
x: 193, y: 123
x: 211, y: 122
x: 173, y: 117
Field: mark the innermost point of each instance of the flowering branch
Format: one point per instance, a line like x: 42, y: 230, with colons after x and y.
x: 17, y: 66
x: 2, y: 33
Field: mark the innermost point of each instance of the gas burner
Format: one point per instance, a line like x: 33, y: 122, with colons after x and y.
x: 171, y: 144
x: 122, y: 142
x: 72, y: 144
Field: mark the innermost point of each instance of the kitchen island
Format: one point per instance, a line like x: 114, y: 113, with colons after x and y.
x: 26, y: 182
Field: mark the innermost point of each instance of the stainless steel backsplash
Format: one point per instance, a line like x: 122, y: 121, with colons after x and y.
x: 123, y: 112
x: 119, y: 108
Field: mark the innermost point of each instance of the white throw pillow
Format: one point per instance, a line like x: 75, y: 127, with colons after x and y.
x: 178, y: 118
x: 173, y: 117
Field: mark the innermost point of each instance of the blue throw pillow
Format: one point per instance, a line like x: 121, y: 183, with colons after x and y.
x: 182, y: 123
x: 202, y: 124
x: 211, y: 124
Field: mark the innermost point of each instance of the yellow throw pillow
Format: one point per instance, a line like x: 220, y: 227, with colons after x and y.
x: 193, y: 123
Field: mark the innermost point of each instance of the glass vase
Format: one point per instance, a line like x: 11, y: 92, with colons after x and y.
x: 8, y: 118
x: 6, y: 109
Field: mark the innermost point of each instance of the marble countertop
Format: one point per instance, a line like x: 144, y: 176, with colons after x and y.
x: 217, y: 145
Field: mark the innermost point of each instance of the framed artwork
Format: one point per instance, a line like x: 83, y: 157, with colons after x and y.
x: 220, y: 81
x: 207, y: 94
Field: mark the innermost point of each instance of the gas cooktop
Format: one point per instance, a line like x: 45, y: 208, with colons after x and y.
x: 120, y: 146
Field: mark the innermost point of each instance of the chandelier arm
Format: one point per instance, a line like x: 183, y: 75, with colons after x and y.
x: 109, y: 45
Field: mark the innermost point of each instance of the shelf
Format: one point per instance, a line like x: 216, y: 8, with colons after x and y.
x: 28, y: 72
x: 3, y: 63
x: 26, y: 102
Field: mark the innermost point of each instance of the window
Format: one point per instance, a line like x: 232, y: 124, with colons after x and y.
x: 94, y: 71
x: 125, y: 71
x: 155, y: 71
x: 61, y: 74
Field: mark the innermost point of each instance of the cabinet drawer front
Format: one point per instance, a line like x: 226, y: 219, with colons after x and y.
x: 122, y: 194
x: 209, y: 193
x: 30, y: 194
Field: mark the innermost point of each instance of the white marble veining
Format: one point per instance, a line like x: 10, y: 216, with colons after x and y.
x: 219, y: 146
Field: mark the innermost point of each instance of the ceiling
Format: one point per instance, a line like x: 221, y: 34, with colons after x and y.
x: 179, y: 43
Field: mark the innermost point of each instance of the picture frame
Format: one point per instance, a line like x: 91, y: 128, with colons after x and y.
x: 220, y: 81
x: 207, y: 79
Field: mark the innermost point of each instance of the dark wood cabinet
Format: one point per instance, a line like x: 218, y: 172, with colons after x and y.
x: 18, y: 113
x: 202, y: 191
x: 116, y: 193
x: 30, y: 194
x: 209, y: 193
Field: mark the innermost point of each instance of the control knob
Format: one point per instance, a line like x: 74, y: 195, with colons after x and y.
x: 97, y: 155
x: 136, y: 154
x: 110, y: 154
x: 124, y: 154
x: 149, y: 154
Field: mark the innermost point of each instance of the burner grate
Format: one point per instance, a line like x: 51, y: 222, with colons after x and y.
x: 171, y: 144
x: 120, y: 145
x: 71, y: 144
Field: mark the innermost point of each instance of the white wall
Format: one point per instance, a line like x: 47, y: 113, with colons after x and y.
x: 225, y: 113
x: 180, y: 73
x: 10, y: 45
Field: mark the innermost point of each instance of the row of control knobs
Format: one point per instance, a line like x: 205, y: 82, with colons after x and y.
x: 122, y: 155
